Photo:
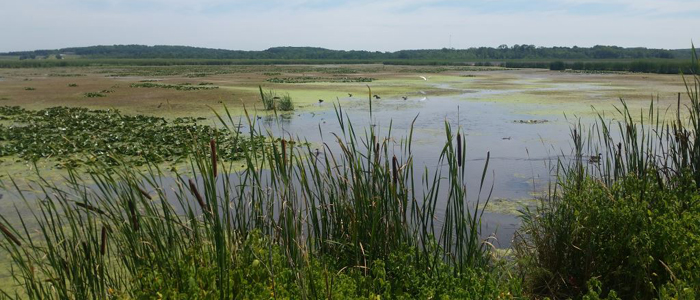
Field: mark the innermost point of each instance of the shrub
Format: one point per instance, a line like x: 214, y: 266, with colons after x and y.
x: 625, y: 220
x: 557, y: 66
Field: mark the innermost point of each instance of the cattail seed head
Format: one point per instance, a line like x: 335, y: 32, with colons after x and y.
x: 134, y: 220
x: 395, y: 169
x: 144, y: 193
x: 459, y: 149
x: 90, y: 207
x: 9, y: 235
x: 195, y: 192
x: 212, y: 144
x: 103, y: 245
x: 86, y: 250
x: 284, y: 151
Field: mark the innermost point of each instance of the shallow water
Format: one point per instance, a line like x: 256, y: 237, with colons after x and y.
x: 520, y: 153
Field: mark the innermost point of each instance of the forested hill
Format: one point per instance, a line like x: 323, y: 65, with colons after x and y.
x: 310, y: 53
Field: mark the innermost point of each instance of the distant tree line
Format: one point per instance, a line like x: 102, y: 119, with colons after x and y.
x: 636, y: 66
x: 502, y: 52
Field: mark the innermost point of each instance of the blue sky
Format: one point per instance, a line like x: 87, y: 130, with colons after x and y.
x: 379, y: 25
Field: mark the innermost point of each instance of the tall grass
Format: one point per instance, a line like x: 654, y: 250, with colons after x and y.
x: 271, y: 101
x: 286, y: 103
x: 279, y: 224
x: 623, y: 218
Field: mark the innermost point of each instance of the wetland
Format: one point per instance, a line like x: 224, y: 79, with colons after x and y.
x: 381, y: 127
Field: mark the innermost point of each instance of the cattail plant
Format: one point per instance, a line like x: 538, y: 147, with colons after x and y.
x: 9, y: 235
x: 103, y: 243
x: 198, y: 196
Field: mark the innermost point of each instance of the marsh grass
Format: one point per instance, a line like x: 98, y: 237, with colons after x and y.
x: 623, y: 217
x: 271, y: 101
x: 292, y: 223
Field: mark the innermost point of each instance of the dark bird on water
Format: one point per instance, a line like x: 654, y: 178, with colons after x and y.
x: 377, y: 97
x: 349, y: 95
x: 404, y: 97
x: 320, y: 100
x: 595, y: 158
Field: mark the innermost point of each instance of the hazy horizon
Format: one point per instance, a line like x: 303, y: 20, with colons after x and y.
x: 283, y: 46
x: 387, y: 25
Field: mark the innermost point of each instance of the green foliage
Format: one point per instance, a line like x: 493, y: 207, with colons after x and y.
x: 290, y: 224
x: 68, y: 134
x: 285, y: 103
x: 271, y: 101
x: 295, y: 53
x: 632, y: 242
x: 658, y: 66
x: 625, y: 221
x: 179, y: 87
x: 557, y: 66
x: 94, y: 95
x: 311, y: 79
x: 267, y: 98
x: 597, y: 58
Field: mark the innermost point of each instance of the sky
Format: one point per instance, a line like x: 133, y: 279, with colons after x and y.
x: 375, y: 25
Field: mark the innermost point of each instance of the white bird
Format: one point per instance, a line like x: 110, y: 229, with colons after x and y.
x: 424, y: 98
x: 426, y: 79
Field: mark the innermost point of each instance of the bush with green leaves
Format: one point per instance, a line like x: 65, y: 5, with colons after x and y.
x: 624, y: 214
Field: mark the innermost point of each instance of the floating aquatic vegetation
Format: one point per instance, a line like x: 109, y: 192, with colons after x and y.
x: 179, y: 87
x: 65, y: 75
x: 510, y: 206
x: 530, y: 121
x: 94, y: 95
x: 69, y: 134
x: 310, y: 79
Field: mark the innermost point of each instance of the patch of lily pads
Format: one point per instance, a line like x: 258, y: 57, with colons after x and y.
x: 179, y: 87
x: 312, y: 79
x: 510, y: 206
x: 69, y: 135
